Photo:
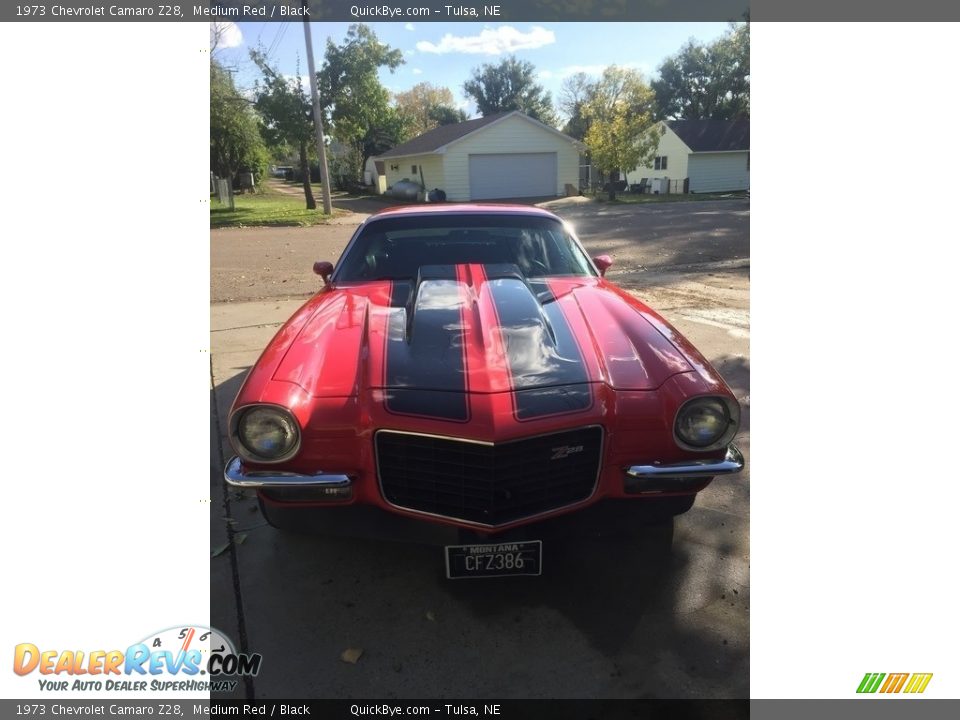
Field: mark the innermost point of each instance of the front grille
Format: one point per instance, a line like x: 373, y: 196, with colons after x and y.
x: 488, y: 484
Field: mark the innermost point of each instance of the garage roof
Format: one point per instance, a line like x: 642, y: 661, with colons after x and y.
x: 713, y: 135
x: 433, y: 140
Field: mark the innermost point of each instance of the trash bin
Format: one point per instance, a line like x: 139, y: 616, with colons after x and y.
x: 245, y: 181
x: 660, y: 186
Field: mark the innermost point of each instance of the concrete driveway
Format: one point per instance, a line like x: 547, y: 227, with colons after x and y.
x: 615, y: 620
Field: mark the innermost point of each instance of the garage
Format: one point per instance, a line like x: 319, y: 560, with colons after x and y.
x: 513, y: 175
x: 505, y: 155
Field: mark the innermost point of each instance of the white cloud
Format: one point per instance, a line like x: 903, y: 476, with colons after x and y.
x: 408, y: 53
x: 417, y: 71
x: 544, y: 74
x: 504, y: 39
x: 409, y: 26
x: 229, y: 34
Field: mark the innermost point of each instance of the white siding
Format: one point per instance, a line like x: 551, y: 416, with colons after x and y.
x: 719, y: 172
x: 676, y: 152
x: 510, y: 135
x: 432, y: 170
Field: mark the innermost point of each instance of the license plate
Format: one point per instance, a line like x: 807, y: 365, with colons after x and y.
x: 494, y: 560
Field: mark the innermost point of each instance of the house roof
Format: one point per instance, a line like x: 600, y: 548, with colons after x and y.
x: 434, y: 140
x: 713, y: 135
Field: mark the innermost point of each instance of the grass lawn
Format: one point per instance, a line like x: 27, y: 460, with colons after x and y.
x: 632, y: 198
x: 269, y: 208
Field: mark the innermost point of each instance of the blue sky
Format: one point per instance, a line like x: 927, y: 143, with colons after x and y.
x: 445, y: 53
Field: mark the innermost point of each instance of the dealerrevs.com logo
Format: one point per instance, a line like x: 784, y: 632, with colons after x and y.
x: 911, y: 683
x: 190, y: 658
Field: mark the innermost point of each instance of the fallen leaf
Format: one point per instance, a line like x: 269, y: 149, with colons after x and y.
x: 430, y: 616
x: 239, y: 538
x: 351, y: 655
x: 219, y: 550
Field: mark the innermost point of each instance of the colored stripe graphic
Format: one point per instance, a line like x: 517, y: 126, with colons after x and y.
x: 918, y: 682
x: 870, y: 682
x: 894, y: 682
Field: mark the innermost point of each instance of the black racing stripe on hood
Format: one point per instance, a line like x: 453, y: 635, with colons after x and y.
x: 547, y: 369
x: 425, y: 368
x: 400, y: 294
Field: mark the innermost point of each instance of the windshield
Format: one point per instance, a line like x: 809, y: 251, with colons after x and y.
x: 396, y: 248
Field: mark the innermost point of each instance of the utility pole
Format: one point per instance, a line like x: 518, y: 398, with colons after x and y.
x: 317, y: 113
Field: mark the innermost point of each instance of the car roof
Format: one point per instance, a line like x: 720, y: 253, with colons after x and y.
x: 463, y: 209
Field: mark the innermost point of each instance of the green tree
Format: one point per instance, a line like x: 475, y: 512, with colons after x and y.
x: 285, y: 108
x: 355, y: 102
x: 391, y: 130
x: 707, y: 81
x: 427, y: 106
x: 235, y: 141
x: 576, y: 91
x: 622, y: 131
x: 510, y: 85
x: 446, y: 115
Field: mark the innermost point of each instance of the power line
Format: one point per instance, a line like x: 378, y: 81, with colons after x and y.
x: 277, y: 38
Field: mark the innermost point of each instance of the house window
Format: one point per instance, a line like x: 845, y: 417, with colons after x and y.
x: 414, y: 169
x: 660, y: 162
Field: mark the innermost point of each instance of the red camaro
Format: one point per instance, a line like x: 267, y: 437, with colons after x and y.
x: 467, y: 373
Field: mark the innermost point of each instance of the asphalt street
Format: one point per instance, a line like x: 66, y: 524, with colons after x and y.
x: 614, y: 618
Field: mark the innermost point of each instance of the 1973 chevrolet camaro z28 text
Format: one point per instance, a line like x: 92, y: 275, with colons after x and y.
x: 466, y: 372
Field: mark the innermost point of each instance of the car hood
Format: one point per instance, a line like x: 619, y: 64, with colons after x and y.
x: 477, y: 329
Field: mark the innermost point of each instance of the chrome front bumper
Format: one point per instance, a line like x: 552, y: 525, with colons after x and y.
x: 732, y: 463
x: 686, y: 477
x: 236, y: 476
x: 636, y: 475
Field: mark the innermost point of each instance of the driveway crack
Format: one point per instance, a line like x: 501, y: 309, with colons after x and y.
x: 217, y: 454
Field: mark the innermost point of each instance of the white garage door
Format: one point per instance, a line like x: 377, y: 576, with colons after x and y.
x: 513, y: 175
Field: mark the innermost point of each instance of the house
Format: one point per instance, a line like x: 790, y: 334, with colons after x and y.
x: 506, y: 155
x: 713, y: 155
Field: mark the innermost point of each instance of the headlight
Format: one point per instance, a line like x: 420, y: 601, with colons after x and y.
x: 266, y: 433
x: 706, y: 423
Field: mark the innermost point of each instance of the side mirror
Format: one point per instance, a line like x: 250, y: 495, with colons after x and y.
x: 603, y: 263
x: 324, y: 269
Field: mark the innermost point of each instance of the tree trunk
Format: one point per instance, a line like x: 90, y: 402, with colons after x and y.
x: 305, y: 171
x: 614, y: 179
